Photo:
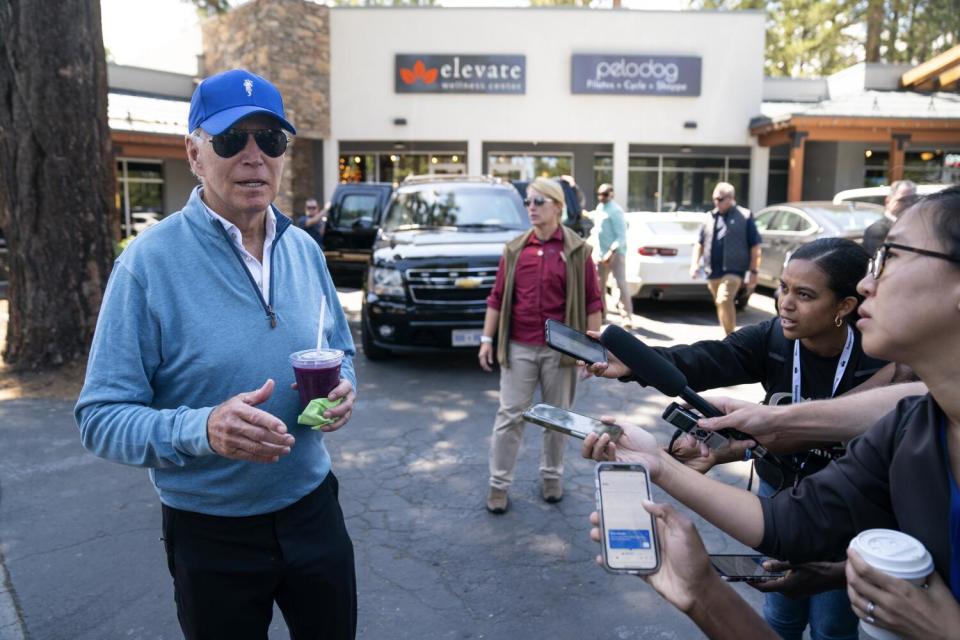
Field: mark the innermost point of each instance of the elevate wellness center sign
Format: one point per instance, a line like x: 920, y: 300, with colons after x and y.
x: 636, y: 75
x: 433, y: 73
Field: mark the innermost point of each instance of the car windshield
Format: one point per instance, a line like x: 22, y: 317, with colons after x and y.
x: 848, y: 219
x: 458, y: 207
x: 675, y: 227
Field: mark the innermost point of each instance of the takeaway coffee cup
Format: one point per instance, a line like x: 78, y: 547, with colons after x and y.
x: 317, y: 372
x: 896, y: 554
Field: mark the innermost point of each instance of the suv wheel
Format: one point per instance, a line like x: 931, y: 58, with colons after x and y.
x: 370, y: 350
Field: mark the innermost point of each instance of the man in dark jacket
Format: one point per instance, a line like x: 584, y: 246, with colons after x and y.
x: 730, y: 247
x: 903, y: 193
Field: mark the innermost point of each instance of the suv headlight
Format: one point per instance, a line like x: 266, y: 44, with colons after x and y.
x: 386, y: 282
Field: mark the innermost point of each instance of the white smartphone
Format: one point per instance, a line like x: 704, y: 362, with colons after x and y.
x: 568, y: 422
x: 628, y: 533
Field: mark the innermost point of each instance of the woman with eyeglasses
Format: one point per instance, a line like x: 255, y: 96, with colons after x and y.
x: 902, y: 474
x: 810, y: 351
x: 546, y: 273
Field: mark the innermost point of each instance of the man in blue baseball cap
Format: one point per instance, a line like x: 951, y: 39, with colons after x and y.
x: 189, y: 375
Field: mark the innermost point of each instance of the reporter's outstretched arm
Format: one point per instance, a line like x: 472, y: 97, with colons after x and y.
x: 733, y: 510
x: 798, y: 427
x: 687, y: 581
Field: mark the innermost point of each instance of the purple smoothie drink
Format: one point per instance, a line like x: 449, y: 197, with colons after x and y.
x: 317, y: 372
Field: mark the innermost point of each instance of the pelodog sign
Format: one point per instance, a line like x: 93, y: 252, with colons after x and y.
x: 437, y: 73
x: 636, y: 75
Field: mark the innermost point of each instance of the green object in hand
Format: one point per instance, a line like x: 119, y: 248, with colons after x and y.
x: 312, y: 416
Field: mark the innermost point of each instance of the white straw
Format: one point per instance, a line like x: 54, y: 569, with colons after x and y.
x: 323, y: 308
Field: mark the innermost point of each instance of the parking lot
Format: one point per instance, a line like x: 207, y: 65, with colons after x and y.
x: 80, y: 536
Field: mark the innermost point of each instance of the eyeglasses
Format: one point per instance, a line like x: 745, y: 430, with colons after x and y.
x: 875, y: 266
x: 311, y: 206
x: 272, y: 142
x: 720, y: 199
x: 603, y: 195
x: 538, y: 201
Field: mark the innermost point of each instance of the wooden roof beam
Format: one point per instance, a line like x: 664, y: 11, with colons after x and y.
x: 931, y: 68
x: 949, y: 77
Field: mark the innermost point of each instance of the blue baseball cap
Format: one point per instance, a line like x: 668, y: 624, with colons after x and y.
x: 221, y: 100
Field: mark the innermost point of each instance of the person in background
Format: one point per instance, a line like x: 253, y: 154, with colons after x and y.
x: 314, y: 220
x: 903, y: 194
x: 729, y: 246
x: 189, y: 375
x: 613, y: 250
x: 901, y: 474
x: 546, y: 273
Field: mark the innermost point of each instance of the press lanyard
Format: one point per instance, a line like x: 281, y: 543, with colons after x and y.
x: 841, y: 366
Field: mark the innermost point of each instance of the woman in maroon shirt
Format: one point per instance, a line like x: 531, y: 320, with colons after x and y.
x: 545, y: 273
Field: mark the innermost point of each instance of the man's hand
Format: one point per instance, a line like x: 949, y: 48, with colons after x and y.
x: 802, y: 580
x: 238, y: 430
x: 695, y: 271
x: 486, y: 356
x: 343, y: 411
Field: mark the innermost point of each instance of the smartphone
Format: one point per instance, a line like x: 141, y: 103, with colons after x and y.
x: 743, y: 568
x: 628, y: 533
x: 575, y: 344
x: 569, y: 423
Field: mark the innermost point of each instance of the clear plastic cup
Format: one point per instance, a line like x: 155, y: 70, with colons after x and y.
x: 896, y: 554
x: 317, y: 372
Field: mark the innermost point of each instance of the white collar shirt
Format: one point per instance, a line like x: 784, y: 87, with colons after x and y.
x: 259, y: 271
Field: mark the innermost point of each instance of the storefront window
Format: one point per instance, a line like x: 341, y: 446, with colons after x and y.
x: 923, y: 166
x: 394, y: 167
x: 139, y: 194
x: 602, y: 169
x: 683, y: 183
x: 529, y: 166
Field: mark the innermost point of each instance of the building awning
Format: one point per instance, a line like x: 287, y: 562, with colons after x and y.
x: 146, y: 127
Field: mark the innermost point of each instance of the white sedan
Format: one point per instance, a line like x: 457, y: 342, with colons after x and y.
x: 659, y: 246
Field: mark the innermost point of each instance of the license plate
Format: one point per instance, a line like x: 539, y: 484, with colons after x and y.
x: 466, y: 337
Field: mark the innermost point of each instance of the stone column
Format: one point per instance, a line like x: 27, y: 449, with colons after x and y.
x: 288, y: 43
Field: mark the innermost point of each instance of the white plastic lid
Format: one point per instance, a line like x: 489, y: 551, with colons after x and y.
x: 316, y: 358
x: 894, y: 552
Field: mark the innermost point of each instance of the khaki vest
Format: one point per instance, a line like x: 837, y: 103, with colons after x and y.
x: 575, y: 252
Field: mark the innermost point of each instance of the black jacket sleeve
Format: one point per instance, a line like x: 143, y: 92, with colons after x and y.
x: 740, y: 358
x: 818, y: 518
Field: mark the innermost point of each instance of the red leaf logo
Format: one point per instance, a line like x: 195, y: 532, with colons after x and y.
x: 419, y: 72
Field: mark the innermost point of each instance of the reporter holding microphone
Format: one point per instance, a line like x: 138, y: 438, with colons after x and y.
x: 810, y: 351
x: 902, y: 474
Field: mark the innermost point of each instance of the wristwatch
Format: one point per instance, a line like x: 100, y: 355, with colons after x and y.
x: 485, y: 339
x: 754, y: 271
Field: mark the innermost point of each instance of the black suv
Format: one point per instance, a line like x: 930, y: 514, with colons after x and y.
x: 435, y: 262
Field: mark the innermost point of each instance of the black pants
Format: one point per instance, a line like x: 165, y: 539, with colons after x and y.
x: 227, y: 572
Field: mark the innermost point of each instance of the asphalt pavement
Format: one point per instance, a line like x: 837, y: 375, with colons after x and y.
x: 81, y: 559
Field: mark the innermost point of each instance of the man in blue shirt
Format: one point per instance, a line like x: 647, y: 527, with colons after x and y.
x: 613, y: 250
x: 189, y: 376
x: 729, y: 245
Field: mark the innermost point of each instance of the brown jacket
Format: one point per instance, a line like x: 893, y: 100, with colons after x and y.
x: 575, y: 252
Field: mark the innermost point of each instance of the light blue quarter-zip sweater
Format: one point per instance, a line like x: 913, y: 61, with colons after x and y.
x: 183, y: 328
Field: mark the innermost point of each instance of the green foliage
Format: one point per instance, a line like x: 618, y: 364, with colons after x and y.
x: 819, y: 37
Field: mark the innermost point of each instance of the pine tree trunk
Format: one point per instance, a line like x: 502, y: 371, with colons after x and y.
x: 874, y: 29
x: 56, y: 165
x: 893, y: 32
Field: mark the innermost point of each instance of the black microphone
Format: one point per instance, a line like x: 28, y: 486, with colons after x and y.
x: 654, y: 369
x: 662, y: 375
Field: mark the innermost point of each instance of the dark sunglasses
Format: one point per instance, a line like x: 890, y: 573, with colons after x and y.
x: 720, y: 199
x: 603, y: 195
x: 272, y: 142
x: 538, y: 201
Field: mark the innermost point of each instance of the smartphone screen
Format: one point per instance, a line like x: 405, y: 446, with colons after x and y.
x: 568, y: 422
x: 629, y: 540
x: 573, y: 343
x: 742, y: 567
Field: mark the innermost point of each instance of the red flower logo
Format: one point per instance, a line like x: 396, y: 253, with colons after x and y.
x: 419, y: 72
